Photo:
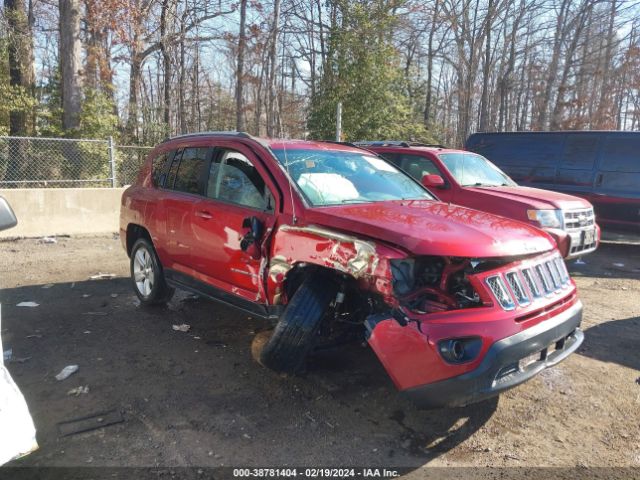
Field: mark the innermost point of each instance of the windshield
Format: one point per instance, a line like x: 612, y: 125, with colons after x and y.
x: 471, y: 170
x: 333, y: 177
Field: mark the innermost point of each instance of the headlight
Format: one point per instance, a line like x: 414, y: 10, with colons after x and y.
x: 546, y: 218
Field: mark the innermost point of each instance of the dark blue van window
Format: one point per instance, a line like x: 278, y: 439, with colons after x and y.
x: 580, y: 152
x: 513, y: 149
x: 621, y: 153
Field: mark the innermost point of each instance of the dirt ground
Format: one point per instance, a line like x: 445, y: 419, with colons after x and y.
x: 197, y: 398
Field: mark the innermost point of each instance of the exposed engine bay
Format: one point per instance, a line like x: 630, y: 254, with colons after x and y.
x: 435, y: 284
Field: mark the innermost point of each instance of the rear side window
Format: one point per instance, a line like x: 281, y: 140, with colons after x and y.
x: 415, y: 165
x: 189, y: 171
x: 157, y: 166
x: 171, y: 174
x: 234, y: 179
x: 621, y: 153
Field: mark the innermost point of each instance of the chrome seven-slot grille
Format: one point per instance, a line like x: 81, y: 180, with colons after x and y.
x: 530, y: 281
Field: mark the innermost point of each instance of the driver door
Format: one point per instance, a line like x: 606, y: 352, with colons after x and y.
x: 234, y: 191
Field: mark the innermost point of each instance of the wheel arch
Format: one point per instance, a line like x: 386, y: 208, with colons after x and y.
x: 135, y: 232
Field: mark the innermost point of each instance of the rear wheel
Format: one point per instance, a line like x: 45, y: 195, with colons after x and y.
x: 147, y: 275
x: 297, y: 330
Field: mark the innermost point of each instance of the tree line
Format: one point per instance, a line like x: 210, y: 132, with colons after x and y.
x: 405, y: 69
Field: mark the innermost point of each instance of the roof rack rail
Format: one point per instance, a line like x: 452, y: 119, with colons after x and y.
x: 228, y: 133
x: 397, y: 143
x: 348, y: 144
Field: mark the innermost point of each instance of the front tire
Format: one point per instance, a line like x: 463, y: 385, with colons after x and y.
x: 147, y: 275
x: 297, y: 330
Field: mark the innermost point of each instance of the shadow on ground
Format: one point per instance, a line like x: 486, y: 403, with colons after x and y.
x: 616, y: 341
x: 610, y: 260
x: 197, y: 398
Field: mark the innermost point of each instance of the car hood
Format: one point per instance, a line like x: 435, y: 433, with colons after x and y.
x: 435, y: 228
x: 535, y: 198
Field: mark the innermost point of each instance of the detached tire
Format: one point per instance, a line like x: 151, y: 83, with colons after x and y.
x: 297, y: 330
x: 147, y: 275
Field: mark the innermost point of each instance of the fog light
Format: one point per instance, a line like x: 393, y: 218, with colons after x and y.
x: 460, y: 350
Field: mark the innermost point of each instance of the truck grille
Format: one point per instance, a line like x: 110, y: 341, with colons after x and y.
x: 528, y: 283
x: 579, y: 219
x: 580, y: 225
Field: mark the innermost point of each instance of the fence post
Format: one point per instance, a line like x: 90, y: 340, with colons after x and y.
x: 112, y: 162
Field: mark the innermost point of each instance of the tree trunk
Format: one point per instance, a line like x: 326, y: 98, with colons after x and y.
x: 242, y: 40
x: 135, y: 74
x: 543, y: 113
x: 430, y: 54
x: 20, y: 63
x: 70, y: 63
x: 166, y: 66
x: 271, y: 106
x: 486, y: 70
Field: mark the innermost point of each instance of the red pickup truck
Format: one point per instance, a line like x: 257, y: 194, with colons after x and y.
x: 328, y: 241
x: 470, y: 180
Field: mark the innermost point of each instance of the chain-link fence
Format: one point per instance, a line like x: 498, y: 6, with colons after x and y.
x: 28, y: 162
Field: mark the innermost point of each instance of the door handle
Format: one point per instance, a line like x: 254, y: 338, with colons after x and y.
x: 204, y: 214
x: 599, y: 180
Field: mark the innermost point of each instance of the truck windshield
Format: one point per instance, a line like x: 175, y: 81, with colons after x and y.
x: 334, y: 177
x: 471, y: 170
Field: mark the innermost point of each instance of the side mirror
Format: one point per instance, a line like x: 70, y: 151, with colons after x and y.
x: 250, y: 242
x: 7, y: 217
x: 433, y: 181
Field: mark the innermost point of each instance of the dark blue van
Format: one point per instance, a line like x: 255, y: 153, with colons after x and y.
x: 601, y: 166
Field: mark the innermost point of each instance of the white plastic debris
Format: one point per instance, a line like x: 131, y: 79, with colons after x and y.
x: 28, y: 304
x: 48, y: 240
x: 66, y: 372
x: 14, y: 418
x: 619, y: 265
x: 79, y: 391
x: 579, y: 261
x: 182, y: 328
x: 102, y: 276
x: 48, y: 285
x: 86, y: 295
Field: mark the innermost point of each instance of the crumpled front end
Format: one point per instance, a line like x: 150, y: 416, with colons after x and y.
x: 460, y: 330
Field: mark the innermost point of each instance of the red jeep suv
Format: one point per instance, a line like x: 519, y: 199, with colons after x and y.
x: 470, y: 180
x: 328, y: 241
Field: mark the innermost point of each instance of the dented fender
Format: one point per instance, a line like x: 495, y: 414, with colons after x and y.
x: 366, y: 261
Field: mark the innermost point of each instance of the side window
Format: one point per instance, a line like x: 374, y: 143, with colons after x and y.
x: 580, y: 151
x: 190, y: 169
x: 621, y: 153
x: 417, y: 166
x: 233, y: 179
x: 173, y: 169
x: 391, y: 157
x: 157, y: 166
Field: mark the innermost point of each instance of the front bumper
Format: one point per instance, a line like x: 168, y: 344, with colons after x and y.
x: 503, y: 367
x: 573, y: 243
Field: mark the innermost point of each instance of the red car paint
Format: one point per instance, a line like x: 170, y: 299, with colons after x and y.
x: 199, y: 238
x: 508, y: 201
